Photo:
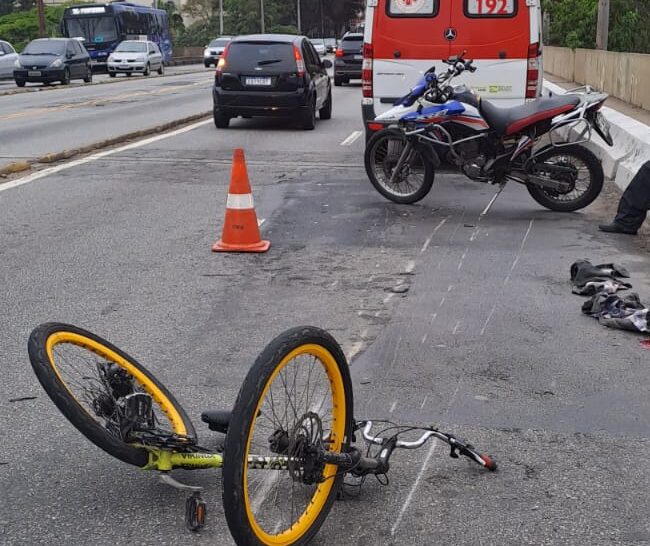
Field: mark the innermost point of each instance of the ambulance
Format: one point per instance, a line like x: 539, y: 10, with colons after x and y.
x: 404, y: 38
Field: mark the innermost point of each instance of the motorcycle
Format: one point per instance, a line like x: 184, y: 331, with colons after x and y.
x: 538, y: 144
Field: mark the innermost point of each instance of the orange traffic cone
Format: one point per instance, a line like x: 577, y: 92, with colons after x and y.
x: 240, y: 230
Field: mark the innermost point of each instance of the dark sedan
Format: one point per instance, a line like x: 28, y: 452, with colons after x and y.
x: 272, y: 75
x: 348, y: 59
x: 47, y: 60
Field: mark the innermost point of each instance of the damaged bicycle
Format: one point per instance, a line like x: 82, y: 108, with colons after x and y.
x: 289, y: 439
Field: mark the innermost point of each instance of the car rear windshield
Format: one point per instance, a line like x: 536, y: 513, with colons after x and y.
x: 132, y: 47
x: 352, y: 43
x: 45, y: 46
x: 219, y: 43
x: 244, y: 56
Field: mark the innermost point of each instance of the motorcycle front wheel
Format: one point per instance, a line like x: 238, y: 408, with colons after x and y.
x: 382, y: 156
x: 584, y: 175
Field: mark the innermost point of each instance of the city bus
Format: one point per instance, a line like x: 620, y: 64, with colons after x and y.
x: 104, y: 26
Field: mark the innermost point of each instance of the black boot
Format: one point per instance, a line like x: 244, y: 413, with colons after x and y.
x: 616, y: 228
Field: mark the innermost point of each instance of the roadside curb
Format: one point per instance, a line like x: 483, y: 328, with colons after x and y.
x: 20, y: 90
x: 631, y: 143
x: 20, y: 166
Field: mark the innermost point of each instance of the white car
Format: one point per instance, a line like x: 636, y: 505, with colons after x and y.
x: 135, y: 57
x: 214, y: 50
x: 319, y: 45
x: 8, y: 57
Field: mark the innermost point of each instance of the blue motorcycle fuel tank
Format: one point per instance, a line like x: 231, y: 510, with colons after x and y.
x: 435, y: 113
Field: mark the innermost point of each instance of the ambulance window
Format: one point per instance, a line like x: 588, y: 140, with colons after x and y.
x: 412, y: 8
x: 490, y: 8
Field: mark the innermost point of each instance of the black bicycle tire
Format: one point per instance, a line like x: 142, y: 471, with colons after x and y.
x: 429, y: 170
x: 242, y: 416
x: 71, y: 409
x: 595, y: 172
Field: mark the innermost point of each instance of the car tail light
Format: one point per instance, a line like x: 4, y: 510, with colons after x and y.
x: 222, y: 60
x: 532, y: 72
x: 339, y: 52
x: 366, y: 71
x: 300, y: 64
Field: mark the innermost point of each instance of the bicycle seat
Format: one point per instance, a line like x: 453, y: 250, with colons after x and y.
x: 507, y: 121
x: 217, y: 420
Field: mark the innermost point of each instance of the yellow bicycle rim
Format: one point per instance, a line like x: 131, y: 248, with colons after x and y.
x: 101, y: 350
x: 320, y: 496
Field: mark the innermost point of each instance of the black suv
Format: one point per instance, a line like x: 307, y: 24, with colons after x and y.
x: 349, y: 58
x: 272, y: 75
x: 53, y: 59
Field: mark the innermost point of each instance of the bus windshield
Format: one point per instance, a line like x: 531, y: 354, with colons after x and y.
x: 95, y: 30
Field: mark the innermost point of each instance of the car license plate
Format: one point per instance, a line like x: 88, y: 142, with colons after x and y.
x: 124, y: 66
x: 358, y: 57
x: 33, y: 73
x: 258, y: 81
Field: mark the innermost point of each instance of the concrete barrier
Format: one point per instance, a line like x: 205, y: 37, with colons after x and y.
x: 631, y: 143
x: 622, y: 75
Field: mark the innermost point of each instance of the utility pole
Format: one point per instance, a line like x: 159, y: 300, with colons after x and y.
x: 602, y: 28
x: 41, y: 18
x: 299, y: 23
x: 220, y: 17
x: 262, y: 14
x: 322, y: 25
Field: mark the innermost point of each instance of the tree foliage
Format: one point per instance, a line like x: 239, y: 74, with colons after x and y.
x: 572, y: 23
x: 21, y: 27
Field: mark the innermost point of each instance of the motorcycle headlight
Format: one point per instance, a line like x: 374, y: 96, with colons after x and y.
x: 56, y: 63
x: 17, y: 64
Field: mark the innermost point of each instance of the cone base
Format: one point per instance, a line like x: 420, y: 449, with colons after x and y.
x: 220, y: 246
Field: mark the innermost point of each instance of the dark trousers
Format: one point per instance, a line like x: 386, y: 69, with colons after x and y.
x: 635, y: 202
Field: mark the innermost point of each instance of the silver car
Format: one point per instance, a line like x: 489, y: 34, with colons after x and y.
x: 214, y: 50
x: 135, y: 57
x: 8, y: 57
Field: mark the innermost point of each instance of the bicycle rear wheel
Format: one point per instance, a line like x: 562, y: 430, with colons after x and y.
x: 295, y: 400
x: 106, y: 394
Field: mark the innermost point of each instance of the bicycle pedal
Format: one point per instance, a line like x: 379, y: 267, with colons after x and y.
x: 195, y: 511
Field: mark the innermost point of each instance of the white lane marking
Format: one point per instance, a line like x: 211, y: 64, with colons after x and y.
x: 433, y: 318
x: 392, y: 408
x: 449, y: 288
x: 351, y: 138
x: 388, y: 298
x: 456, y: 327
x: 434, y: 443
x: 260, y: 221
x: 488, y: 319
x: 52, y: 170
x: 442, y: 301
x: 410, y: 266
x: 334, y: 284
x: 424, y: 338
x: 462, y: 258
x: 424, y: 401
x: 428, y: 241
x: 518, y: 255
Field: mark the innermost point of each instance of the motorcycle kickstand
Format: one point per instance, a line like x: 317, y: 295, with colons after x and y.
x: 502, y: 185
x: 195, y: 506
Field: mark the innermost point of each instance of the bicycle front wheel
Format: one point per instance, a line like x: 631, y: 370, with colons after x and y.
x: 106, y: 394
x: 295, y: 402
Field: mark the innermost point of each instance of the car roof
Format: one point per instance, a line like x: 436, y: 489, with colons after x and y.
x: 280, y: 38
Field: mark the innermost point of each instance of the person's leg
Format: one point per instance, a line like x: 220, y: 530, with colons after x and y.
x: 635, y: 201
x: 634, y: 204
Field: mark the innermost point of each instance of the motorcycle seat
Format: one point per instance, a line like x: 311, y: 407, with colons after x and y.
x: 508, y: 121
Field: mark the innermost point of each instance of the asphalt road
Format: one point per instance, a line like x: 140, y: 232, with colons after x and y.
x: 64, y: 117
x: 488, y: 341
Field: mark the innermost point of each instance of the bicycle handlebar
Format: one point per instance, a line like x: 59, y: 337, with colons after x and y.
x: 457, y: 446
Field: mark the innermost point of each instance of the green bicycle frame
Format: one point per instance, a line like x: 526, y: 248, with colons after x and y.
x: 166, y: 460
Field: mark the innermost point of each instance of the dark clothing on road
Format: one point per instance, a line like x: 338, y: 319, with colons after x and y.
x: 635, y: 202
x: 590, y: 279
x: 626, y: 313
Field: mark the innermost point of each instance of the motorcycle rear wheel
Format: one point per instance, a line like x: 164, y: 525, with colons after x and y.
x: 587, y: 180
x: 382, y: 154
